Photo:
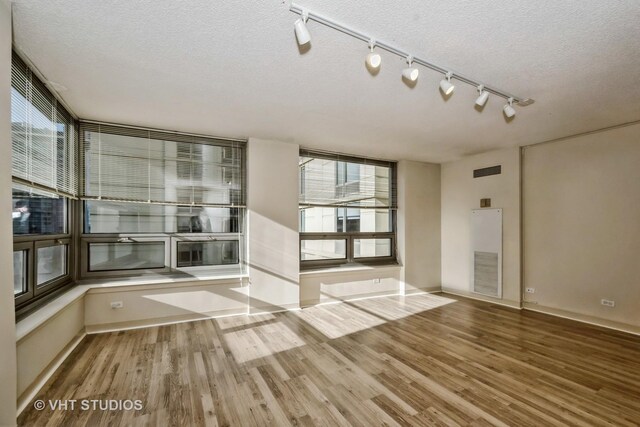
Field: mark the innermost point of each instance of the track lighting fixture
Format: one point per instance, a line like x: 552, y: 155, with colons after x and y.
x: 410, y: 73
x: 373, y: 59
x: 445, y: 85
x: 508, y: 109
x: 300, y: 26
x: 482, y: 97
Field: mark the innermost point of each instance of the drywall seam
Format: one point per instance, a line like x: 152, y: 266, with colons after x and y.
x: 576, y: 135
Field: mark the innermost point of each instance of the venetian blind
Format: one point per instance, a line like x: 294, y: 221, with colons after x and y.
x: 332, y: 180
x: 142, y: 165
x: 42, y: 135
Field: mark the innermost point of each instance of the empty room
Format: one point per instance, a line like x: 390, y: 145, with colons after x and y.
x: 301, y: 213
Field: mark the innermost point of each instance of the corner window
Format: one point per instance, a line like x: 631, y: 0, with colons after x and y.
x: 44, y: 172
x: 347, y: 210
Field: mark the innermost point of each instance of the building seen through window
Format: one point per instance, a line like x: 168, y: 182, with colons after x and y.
x: 346, y: 210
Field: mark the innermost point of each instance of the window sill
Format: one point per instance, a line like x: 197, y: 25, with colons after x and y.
x: 48, y: 311
x: 349, y: 268
x: 160, y: 279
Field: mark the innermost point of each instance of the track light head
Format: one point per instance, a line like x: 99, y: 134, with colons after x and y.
x: 508, y: 109
x: 373, y: 59
x: 445, y: 85
x: 482, y: 97
x: 410, y: 73
x: 300, y: 27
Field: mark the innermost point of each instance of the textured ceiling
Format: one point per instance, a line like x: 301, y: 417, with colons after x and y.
x: 234, y: 69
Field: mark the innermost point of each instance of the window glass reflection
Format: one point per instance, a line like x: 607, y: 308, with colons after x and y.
x: 37, y: 212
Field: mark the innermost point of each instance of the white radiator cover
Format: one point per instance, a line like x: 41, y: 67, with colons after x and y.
x: 486, y: 252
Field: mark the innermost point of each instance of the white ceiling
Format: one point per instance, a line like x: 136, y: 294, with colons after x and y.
x: 233, y: 68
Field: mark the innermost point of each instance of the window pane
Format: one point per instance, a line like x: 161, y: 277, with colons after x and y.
x: 115, y: 217
x: 19, y: 272
x: 52, y: 263
x: 323, y: 249
x: 43, y: 148
x: 368, y: 248
x: 140, y: 165
x: 38, y: 212
x: 126, y: 256
x: 221, y: 252
x: 352, y: 220
x: 339, y: 183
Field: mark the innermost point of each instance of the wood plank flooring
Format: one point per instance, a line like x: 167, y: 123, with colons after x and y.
x: 421, y: 360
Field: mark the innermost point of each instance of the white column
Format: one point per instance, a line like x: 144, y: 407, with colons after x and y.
x: 419, y: 226
x: 272, y: 205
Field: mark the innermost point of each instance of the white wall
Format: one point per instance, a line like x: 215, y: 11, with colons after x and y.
x: 460, y: 194
x: 163, y: 303
x: 272, y: 202
x: 7, y: 316
x: 419, y: 226
x: 317, y: 287
x: 38, y: 349
x: 581, y: 199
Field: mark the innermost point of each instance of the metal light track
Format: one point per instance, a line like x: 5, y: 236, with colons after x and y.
x: 295, y: 8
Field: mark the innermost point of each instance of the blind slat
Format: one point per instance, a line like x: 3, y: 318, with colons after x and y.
x: 149, y: 166
x: 42, y: 135
x: 332, y: 180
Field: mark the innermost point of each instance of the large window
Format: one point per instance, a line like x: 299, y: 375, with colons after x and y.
x: 347, y: 210
x: 44, y: 170
x: 158, y: 202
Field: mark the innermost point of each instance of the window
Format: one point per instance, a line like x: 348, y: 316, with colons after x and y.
x: 207, y: 253
x: 44, y: 171
x: 158, y: 201
x: 347, y: 210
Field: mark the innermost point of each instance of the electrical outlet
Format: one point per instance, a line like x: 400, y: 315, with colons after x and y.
x: 608, y: 303
x: 376, y: 280
x: 531, y: 290
x: 117, y: 304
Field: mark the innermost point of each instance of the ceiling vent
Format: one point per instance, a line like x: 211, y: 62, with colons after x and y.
x: 491, y: 170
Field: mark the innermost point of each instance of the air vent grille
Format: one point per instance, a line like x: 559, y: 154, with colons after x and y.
x: 491, y: 170
x: 486, y: 280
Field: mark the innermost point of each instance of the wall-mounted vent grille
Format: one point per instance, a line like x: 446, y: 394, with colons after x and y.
x: 486, y: 279
x: 491, y: 170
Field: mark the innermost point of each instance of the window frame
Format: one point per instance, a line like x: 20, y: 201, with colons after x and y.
x: 351, y: 236
x: 25, y: 297
x: 228, y: 146
x: 206, y: 237
x: 64, y: 185
x: 32, y: 242
x: 56, y: 282
x: 85, y: 254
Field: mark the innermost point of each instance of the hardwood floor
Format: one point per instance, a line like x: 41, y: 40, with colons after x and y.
x: 419, y: 360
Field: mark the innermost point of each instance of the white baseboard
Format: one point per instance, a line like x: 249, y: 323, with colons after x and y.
x: 346, y: 298
x: 267, y: 309
x: 160, y: 321
x: 427, y: 290
x: 591, y: 320
x: 47, y: 373
x: 472, y: 295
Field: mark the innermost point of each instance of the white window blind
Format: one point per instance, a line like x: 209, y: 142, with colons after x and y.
x: 332, y: 180
x: 142, y: 165
x: 42, y: 135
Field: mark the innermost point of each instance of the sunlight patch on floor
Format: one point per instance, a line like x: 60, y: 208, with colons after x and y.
x: 255, y: 342
x: 348, y: 317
